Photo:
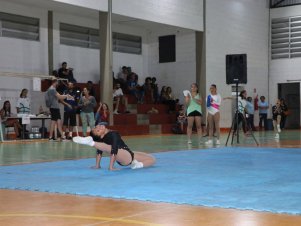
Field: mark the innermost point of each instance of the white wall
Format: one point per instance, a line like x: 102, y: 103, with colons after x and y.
x: 234, y: 27
x: 180, y: 74
x: 186, y: 14
x: 22, y: 56
x: 84, y: 61
x: 282, y: 70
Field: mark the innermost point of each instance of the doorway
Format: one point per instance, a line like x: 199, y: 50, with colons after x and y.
x: 290, y: 92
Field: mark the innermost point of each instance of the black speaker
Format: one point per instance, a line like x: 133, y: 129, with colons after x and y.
x: 236, y: 68
x: 167, y: 48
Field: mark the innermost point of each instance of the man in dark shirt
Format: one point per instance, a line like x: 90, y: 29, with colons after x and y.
x: 109, y: 141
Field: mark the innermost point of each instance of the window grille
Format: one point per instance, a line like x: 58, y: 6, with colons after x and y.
x: 22, y: 27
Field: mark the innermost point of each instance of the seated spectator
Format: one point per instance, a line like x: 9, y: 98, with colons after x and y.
x: 169, y: 100
x: 163, y: 94
x: 5, y: 113
x: 23, y: 103
x: 134, y: 88
x: 148, y: 90
x: 65, y: 73
x: 119, y: 97
x: 181, y: 118
x: 102, y: 114
x: 155, y: 90
x: 91, y: 88
x: 122, y: 77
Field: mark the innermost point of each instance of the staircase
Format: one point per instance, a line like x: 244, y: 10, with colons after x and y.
x: 139, y: 122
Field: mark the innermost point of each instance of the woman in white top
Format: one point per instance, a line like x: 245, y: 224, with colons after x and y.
x: 213, y: 103
x: 23, y: 103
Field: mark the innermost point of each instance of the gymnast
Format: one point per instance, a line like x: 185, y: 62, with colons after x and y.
x: 105, y: 140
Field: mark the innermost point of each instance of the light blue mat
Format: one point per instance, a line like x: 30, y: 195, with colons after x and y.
x: 262, y: 179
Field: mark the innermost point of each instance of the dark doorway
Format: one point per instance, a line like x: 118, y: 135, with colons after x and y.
x: 290, y: 92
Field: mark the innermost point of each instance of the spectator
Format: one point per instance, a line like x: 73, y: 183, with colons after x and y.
x: 71, y: 105
x: 52, y: 101
x: 250, y: 114
x: 5, y: 113
x: 285, y: 112
x: 66, y: 73
x: 277, y: 112
x: 87, y: 104
x: 263, y: 112
x: 122, y: 77
x: 134, y: 88
x: 181, y: 118
x: 91, y: 88
x: 118, y: 97
x: 170, y: 100
x: 155, y: 90
x: 23, y: 103
x: 102, y: 114
x: 163, y: 94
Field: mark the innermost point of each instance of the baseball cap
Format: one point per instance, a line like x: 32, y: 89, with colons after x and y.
x: 102, y: 124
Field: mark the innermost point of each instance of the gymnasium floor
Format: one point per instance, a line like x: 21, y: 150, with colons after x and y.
x: 37, y: 208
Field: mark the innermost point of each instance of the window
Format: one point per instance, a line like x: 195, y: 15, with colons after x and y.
x: 73, y: 35
x: 286, y: 37
x: 125, y: 43
x: 15, y: 26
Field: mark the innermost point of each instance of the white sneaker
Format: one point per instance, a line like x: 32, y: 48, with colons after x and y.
x: 217, y: 142
x: 208, y: 142
x: 84, y: 140
x: 277, y: 136
x: 136, y: 165
x: 278, y: 128
x: 189, y: 142
x: 115, y: 112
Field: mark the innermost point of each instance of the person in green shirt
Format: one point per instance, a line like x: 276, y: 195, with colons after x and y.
x: 193, y: 101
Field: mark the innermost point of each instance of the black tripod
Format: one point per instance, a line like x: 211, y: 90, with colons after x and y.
x: 235, y: 122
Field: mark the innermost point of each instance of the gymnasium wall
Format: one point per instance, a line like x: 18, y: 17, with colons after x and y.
x: 282, y: 70
x: 234, y: 27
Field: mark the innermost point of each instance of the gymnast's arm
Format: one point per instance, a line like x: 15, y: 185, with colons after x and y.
x: 114, y: 150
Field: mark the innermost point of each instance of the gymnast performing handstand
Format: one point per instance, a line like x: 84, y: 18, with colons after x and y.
x: 110, y: 141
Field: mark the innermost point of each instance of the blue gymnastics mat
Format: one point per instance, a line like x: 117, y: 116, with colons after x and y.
x: 262, y: 179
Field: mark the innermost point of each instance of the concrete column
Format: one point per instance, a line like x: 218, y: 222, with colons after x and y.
x: 50, y: 42
x: 106, y: 77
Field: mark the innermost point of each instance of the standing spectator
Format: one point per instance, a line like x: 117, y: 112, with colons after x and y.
x: 194, y: 111
x: 263, y: 112
x: 52, y: 102
x: 71, y: 105
x: 5, y: 113
x: 213, y: 103
x: 91, y: 88
x: 284, y: 109
x: 277, y: 112
x: 87, y: 104
x: 102, y: 114
x: 242, y: 103
x: 118, y: 97
x: 250, y: 114
x: 23, y: 103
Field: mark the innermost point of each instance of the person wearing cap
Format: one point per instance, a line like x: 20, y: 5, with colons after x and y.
x: 105, y: 140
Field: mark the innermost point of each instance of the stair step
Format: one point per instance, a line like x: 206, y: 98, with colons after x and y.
x: 155, y: 129
x: 142, y: 119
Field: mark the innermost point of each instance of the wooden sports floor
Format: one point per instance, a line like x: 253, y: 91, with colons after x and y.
x: 36, y: 208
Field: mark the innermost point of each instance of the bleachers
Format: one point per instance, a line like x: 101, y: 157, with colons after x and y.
x: 140, y: 122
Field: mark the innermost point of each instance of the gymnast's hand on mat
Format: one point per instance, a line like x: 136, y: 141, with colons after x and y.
x: 113, y: 169
x: 84, y: 140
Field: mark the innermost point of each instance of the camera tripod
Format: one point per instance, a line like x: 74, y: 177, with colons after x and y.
x: 235, y: 123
